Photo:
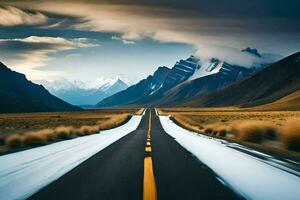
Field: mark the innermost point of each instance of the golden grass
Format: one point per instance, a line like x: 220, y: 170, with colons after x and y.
x: 12, y: 123
x: 64, y: 132
x: 88, y: 130
x: 190, y: 123
x: 113, y: 121
x: 34, y: 139
x: 45, y: 136
x: 291, y: 135
x: 276, y: 129
x: 253, y: 131
x: 140, y: 111
x: 14, y: 140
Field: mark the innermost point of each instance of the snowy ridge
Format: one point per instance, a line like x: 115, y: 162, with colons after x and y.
x: 26, y: 172
x: 85, y: 93
x: 245, y: 174
x: 207, y: 68
x: 65, y: 84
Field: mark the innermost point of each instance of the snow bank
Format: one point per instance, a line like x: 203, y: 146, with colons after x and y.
x: 24, y: 173
x: 245, y: 174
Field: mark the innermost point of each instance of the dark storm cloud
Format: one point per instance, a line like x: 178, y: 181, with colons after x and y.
x: 211, y: 26
x: 190, y: 21
x: 12, y: 16
x: 254, y: 8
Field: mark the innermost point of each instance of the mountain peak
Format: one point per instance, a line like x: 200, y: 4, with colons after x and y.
x: 114, y: 83
x: 119, y: 83
x: 252, y: 51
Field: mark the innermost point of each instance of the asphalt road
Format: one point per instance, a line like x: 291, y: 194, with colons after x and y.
x: 117, y: 172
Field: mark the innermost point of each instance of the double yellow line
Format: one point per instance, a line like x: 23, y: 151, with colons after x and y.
x: 149, y: 190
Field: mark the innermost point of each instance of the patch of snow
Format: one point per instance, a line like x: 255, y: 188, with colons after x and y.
x: 65, y: 84
x: 173, y: 78
x: 152, y: 92
x: 103, y: 84
x: 153, y: 86
x: 184, y: 70
x: 245, y: 174
x: 24, y: 173
x: 226, y: 69
x: 180, y: 76
x: 156, y: 89
x: 182, y: 64
x: 206, y: 69
x: 191, y: 62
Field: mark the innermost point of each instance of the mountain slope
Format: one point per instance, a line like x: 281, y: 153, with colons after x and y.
x: 143, y: 88
x: 186, y: 79
x: 270, y: 84
x: 113, y: 87
x: 289, y: 102
x: 154, y: 86
x: 226, y: 74
x: 78, y: 93
x: 17, y: 94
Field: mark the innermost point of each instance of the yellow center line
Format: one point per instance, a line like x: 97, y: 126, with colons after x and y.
x: 149, y: 190
x: 149, y: 180
x: 149, y: 129
x: 148, y: 149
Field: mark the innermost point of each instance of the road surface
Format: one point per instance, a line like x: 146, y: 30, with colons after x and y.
x: 145, y: 164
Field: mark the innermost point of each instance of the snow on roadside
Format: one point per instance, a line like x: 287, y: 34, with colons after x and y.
x: 245, y: 174
x: 24, y: 173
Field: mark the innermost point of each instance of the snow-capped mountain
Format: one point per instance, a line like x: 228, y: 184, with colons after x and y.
x: 215, y: 75
x: 209, y: 68
x: 275, y: 82
x: 84, y: 93
x: 147, y: 89
x: 214, y: 65
x: 187, y: 78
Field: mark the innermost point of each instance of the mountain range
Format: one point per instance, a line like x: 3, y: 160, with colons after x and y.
x: 280, y: 80
x: 186, y: 79
x: 83, y: 94
x: 17, y: 94
x: 192, y: 82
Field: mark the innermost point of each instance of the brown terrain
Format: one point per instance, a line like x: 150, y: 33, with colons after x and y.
x: 276, y: 132
x: 25, y: 130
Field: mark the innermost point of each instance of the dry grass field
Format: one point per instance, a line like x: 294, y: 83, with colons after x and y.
x: 22, y: 130
x: 278, y: 130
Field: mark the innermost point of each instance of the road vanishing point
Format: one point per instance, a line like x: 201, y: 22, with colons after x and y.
x: 145, y: 164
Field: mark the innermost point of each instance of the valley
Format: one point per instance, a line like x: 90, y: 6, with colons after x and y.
x: 197, y: 108
x: 149, y: 100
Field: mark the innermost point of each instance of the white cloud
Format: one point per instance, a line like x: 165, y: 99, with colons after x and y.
x: 235, y: 56
x: 27, y: 55
x: 134, y: 23
x: 114, y: 37
x: 54, y: 42
x: 11, y: 16
x: 231, y: 55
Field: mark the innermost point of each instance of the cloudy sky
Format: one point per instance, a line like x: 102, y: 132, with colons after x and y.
x: 87, y: 40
